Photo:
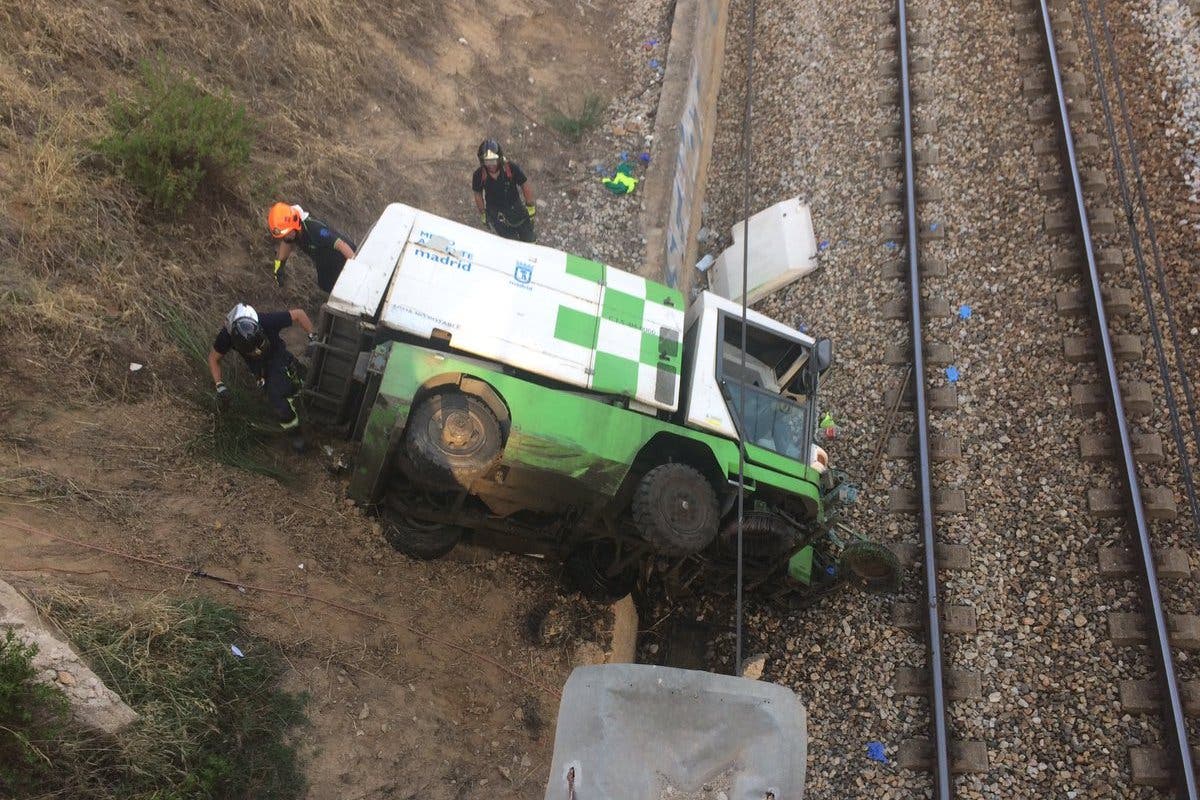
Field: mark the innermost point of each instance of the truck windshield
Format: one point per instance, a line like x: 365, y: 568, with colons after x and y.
x: 766, y: 389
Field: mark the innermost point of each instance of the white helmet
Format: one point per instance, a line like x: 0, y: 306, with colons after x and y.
x: 247, y: 335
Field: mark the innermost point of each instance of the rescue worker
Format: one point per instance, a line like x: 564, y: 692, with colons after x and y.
x: 294, y: 227
x: 256, y: 338
x: 500, y: 186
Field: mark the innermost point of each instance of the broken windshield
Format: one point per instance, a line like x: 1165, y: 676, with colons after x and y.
x: 774, y: 410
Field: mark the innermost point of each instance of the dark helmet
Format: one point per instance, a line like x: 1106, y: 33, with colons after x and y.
x: 247, y: 335
x: 489, y: 148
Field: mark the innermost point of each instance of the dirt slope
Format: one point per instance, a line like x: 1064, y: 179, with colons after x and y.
x: 356, y: 103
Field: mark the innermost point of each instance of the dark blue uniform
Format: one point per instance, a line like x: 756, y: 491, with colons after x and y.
x: 317, y: 239
x: 275, y: 367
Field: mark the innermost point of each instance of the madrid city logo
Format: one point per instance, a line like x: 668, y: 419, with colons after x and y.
x: 523, y: 274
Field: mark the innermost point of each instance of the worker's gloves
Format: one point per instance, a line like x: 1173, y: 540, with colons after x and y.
x: 224, y: 396
x: 530, y: 209
x: 279, y: 273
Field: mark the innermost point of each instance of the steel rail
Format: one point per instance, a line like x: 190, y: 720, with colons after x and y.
x: 937, y: 700
x: 1164, y: 372
x: 1176, y: 720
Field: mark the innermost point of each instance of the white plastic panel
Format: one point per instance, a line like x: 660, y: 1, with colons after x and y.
x: 364, y: 280
x: 783, y: 248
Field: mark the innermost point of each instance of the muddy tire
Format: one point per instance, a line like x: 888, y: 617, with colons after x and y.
x: 451, y: 440
x: 871, y: 567
x: 420, y: 540
x: 675, y: 509
x: 587, y: 569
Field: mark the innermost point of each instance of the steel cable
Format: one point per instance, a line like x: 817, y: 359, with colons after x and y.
x: 747, y: 160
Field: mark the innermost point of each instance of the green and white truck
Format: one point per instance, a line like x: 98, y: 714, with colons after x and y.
x: 546, y: 403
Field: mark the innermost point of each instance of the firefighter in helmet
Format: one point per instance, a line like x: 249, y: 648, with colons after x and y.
x: 256, y: 338
x: 503, y: 195
x: 292, y: 226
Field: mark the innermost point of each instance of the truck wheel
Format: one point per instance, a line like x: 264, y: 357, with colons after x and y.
x: 872, y: 567
x: 675, y: 509
x: 452, y: 439
x: 422, y: 540
x: 587, y: 569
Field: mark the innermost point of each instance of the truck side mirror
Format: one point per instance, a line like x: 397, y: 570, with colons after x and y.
x: 823, y: 354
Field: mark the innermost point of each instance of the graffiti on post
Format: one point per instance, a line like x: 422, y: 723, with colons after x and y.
x: 695, y: 140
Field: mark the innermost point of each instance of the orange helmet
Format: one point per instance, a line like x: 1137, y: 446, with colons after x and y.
x: 282, y: 219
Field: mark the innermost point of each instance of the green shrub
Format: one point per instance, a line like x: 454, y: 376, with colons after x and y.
x: 30, y: 717
x: 171, y: 138
x: 574, y: 125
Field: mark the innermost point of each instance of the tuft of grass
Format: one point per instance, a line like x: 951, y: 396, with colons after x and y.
x: 171, y: 138
x: 574, y: 125
x: 211, y: 724
x: 239, y: 435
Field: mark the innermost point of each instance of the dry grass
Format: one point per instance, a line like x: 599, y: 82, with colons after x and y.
x: 211, y: 723
x: 89, y: 264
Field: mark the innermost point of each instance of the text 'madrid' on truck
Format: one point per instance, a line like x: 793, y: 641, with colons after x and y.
x: 546, y: 403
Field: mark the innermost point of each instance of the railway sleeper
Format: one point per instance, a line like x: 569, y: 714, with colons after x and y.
x: 890, y: 40
x: 916, y: 66
x: 895, y: 196
x: 966, y: 756
x: 938, y: 398
x: 1157, y: 501
x: 961, y: 684
x: 1108, y: 261
x: 931, y: 267
x: 931, y: 307
x: 1102, y: 221
x: 1079, y: 349
x: 941, y: 448
x: 1037, y: 84
x: 1171, y: 563
x: 1088, y: 398
x: 890, y: 97
x: 1147, y: 447
x: 1081, y: 110
x: 1054, y: 182
x: 895, y: 129
x: 955, y: 619
x: 1145, y: 697
x: 1153, y: 766
x: 936, y: 355
x: 1078, y: 302
x: 882, y: 19
x: 949, y: 556
x: 1052, y: 145
x: 1127, y: 629
x: 935, y: 232
x: 902, y: 500
x: 922, y: 157
x: 1068, y: 53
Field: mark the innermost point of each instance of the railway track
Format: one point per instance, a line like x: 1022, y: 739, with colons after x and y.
x: 1090, y: 239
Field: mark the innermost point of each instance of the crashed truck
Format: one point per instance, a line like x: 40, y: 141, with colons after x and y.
x: 544, y: 403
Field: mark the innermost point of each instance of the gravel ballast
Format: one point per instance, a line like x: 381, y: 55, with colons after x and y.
x: 1049, y: 709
